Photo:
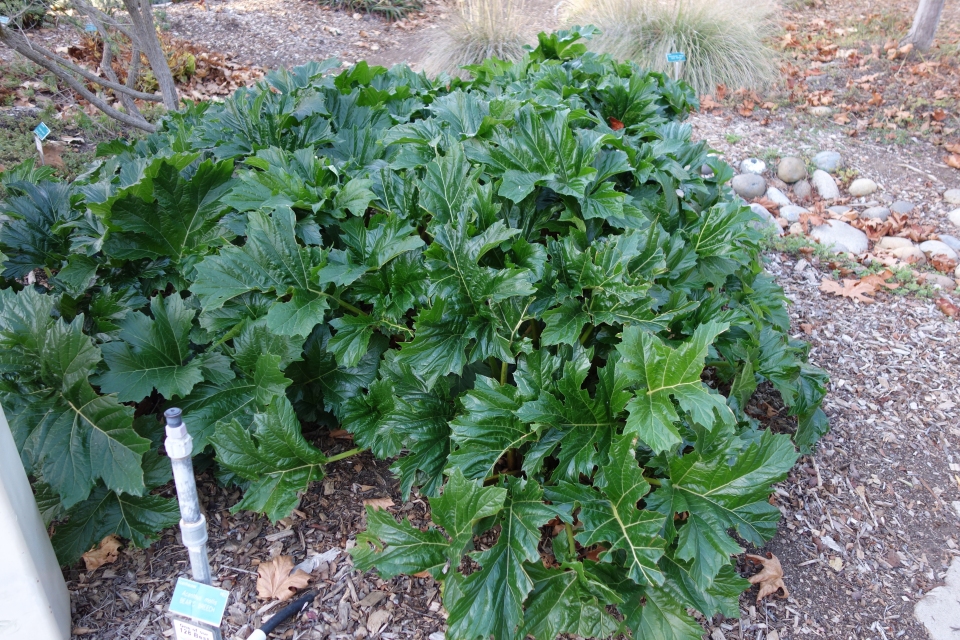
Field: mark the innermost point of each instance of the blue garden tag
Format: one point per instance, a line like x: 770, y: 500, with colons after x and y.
x: 4, y: 20
x: 676, y: 57
x: 199, y: 601
x: 42, y: 131
x: 90, y: 27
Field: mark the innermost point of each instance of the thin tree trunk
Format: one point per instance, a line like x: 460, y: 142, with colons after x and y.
x: 141, y: 14
x: 925, y: 23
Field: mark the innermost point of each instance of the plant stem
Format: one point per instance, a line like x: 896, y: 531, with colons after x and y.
x: 653, y: 482
x: 349, y: 307
x: 570, y: 541
x: 511, y: 459
x: 587, y: 330
x: 345, y: 454
x: 503, y: 372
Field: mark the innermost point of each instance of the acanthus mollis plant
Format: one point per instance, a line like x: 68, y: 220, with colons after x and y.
x: 519, y: 287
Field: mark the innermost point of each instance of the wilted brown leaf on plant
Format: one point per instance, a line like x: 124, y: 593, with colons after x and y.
x: 274, y: 579
x: 106, y: 552
x: 770, y: 577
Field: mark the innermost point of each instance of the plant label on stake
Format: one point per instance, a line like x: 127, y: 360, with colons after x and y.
x: 4, y: 20
x: 42, y: 131
x: 90, y: 27
x: 199, y: 601
x: 677, y: 58
x: 39, y: 135
x: 188, y: 631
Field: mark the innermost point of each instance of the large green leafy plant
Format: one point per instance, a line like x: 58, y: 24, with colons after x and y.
x: 520, y: 287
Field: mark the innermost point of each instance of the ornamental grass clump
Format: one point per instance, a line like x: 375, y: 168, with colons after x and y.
x: 479, y: 29
x: 725, y: 41
x: 518, y: 288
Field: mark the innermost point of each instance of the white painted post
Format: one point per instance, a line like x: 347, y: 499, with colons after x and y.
x: 34, y: 602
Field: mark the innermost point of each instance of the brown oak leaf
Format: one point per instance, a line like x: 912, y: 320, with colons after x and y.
x: 877, y: 280
x: 953, y: 160
x: 378, y: 503
x: 853, y: 289
x: 943, y: 264
x: 770, y: 577
x: 106, y: 552
x: 948, y: 307
x: 274, y: 579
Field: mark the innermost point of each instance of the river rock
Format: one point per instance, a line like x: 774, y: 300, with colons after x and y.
x: 936, y: 248
x: 839, y: 209
x: 767, y: 220
x: 775, y: 195
x: 946, y: 283
x: 889, y: 243
x: 954, y: 217
x: 862, y: 187
x: 820, y: 111
x: 749, y: 186
x: 951, y: 241
x: 828, y: 161
x: 825, y: 185
x: 840, y: 237
x: 876, y: 213
x: 910, y: 255
x: 956, y: 273
x: 902, y: 206
x: 796, y: 229
x: 951, y: 196
x: 802, y: 190
x: 753, y: 165
x: 791, y: 169
x: 791, y: 212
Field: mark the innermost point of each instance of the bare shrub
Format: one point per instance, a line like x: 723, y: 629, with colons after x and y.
x: 724, y: 40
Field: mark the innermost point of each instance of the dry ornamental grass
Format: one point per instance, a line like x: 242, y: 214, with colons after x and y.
x: 724, y: 41
x: 480, y: 29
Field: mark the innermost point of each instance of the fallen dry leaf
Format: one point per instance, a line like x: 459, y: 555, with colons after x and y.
x: 106, y: 552
x: 377, y: 621
x: 877, y: 280
x: 341, y: 434
x: 836, y: 563
x: 853, y: 289
x: 953, y: 160
x: 378, y: 503
x: 615, y: 124
x: 274, y: 579
x: 943, y: 264
x: 952, y: 148
x: 948, y: 307
x: 770, y: 577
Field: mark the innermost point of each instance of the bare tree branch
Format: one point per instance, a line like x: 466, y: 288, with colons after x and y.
x: 19, y: 43
x: 33, y: 54
x: 141, y: 14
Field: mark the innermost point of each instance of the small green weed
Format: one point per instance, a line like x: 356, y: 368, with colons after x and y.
x: 390, y: 9
x: 733, y: 138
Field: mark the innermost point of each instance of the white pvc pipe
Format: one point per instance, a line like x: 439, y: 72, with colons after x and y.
x: 193, y: 525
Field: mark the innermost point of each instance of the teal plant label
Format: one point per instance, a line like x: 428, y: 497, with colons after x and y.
x: 199, y: 601
x: 676, y: 57
x: 90, y: 27
x: 4, y: 20
x: 188, y: 631
x: 42, y: 131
